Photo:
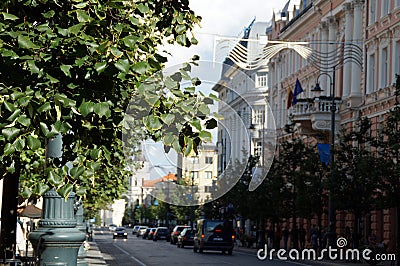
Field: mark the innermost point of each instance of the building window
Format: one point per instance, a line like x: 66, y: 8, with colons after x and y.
x: 262, y: 80
x: 195, y: 160
x: 384, y: 68
x: 371, y: 74
x: 397, y: 3
x: 194, y: 175
x: 384, y: 7
x: 208, y: 174
x: 372, y: 15
x: 258, y: 117
x: 397, y: 59
x: 258, y: 148
x: 209, y: 160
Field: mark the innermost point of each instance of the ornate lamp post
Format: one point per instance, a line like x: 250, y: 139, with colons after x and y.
x: 331, y: 207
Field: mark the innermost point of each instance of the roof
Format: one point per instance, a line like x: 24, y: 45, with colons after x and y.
x: 153, y: 182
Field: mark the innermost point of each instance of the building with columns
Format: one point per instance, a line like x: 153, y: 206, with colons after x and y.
x: 355, y: 48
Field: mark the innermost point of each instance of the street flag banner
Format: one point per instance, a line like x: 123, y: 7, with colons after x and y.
x: 289, y: 99
x: 297, y: 90
x: 324, y: 153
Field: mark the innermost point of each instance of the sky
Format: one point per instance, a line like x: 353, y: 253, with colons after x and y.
x: 220, y: 18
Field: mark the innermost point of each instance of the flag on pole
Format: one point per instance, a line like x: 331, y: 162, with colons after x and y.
x: 297, y: 90
x: 324, y: 153
x: 289, y: 98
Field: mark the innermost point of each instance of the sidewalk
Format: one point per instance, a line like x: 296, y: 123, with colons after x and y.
x: 94, y: 256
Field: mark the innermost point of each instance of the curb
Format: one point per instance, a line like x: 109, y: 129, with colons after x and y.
x: 94, y: 256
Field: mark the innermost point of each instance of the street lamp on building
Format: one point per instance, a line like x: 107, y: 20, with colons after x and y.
x: 331, y: 207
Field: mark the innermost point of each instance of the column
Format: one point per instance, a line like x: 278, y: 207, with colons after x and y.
x: 357, y: 38
x: 348, y: 8
x: 324, y: 49
x: 332, y: 48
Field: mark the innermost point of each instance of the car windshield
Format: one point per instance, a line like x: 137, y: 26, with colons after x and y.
x: 162, y: 230
x: 120, y: 229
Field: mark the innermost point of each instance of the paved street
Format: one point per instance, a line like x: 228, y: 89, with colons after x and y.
x: 137, y: 251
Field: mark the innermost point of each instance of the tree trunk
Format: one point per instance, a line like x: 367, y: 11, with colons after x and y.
x: 9, y: 215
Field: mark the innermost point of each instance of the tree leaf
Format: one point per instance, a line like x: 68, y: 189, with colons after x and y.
x: 54, y: 179
x: 122, y: 65
x: 19, y: 144
x: 102, y: 109
x: 196, y: 124
x: 82, y: 16
x: 152, y: 123
x: 8, y: 149
x: 25, y: 42
x: 41, y: 188
x: 65, y: 69
x: 8, y: 16
x: 167, y: 118
x: 33, y: 143
x: 10, y: 133
x: 100, y: 67
x: 44, y: 108
x: 188, y: 146
x: 75, y: 29
x: 180, y: 29
x: 205, y: 136
x: 14, y: 115
x: 77, y: 171
x: 65, y: 190
x: 86, y: 108
x: 140, y: 67
x: 24, y: 120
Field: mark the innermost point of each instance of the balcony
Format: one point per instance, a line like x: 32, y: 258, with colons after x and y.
x: 311, y: 115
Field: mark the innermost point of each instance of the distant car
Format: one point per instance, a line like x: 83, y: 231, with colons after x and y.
x: 186, y: 238
x: 175, y: 233
x: 135, y: 229
x: 112, y: 227
x: 146, y: 233
x: 140, y: 230
x: 151, y: 233
x: 120, y: 232
x: 214, y: 235
x: 160, y: 233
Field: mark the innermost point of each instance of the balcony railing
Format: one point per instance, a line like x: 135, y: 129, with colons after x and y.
x: 314, y: 112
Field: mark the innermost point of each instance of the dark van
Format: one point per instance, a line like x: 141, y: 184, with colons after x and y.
x: 214, y: 235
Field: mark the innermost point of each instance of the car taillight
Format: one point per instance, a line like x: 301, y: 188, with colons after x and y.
x: 184, y: 238
x: 202, y: 236
x: 176, y: 233
x: 233, y: 237
x: 218, y: 230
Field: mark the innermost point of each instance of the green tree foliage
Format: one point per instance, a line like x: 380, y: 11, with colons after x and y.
x: 71, y: 68
x: 300, y: 168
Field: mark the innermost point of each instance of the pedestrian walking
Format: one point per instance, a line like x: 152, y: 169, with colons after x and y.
x: 302, y: 237
x: 285, y: 234
x: 294, y: 236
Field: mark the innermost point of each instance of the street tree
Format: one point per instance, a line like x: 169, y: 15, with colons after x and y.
x: 358, y: 176
x: 388, y: 147
x: 70, y: 69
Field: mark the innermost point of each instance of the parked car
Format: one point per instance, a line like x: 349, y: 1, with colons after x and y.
x: 141, y: 231
x: 120, y: 232
x: 151, y: 233
x: 175, y: 233
x: 146, y: 233
x: 186, y: 237
x: 214, y: 235
x: 136, y: 229
x: 160, y: 233
x: 112, y: 227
